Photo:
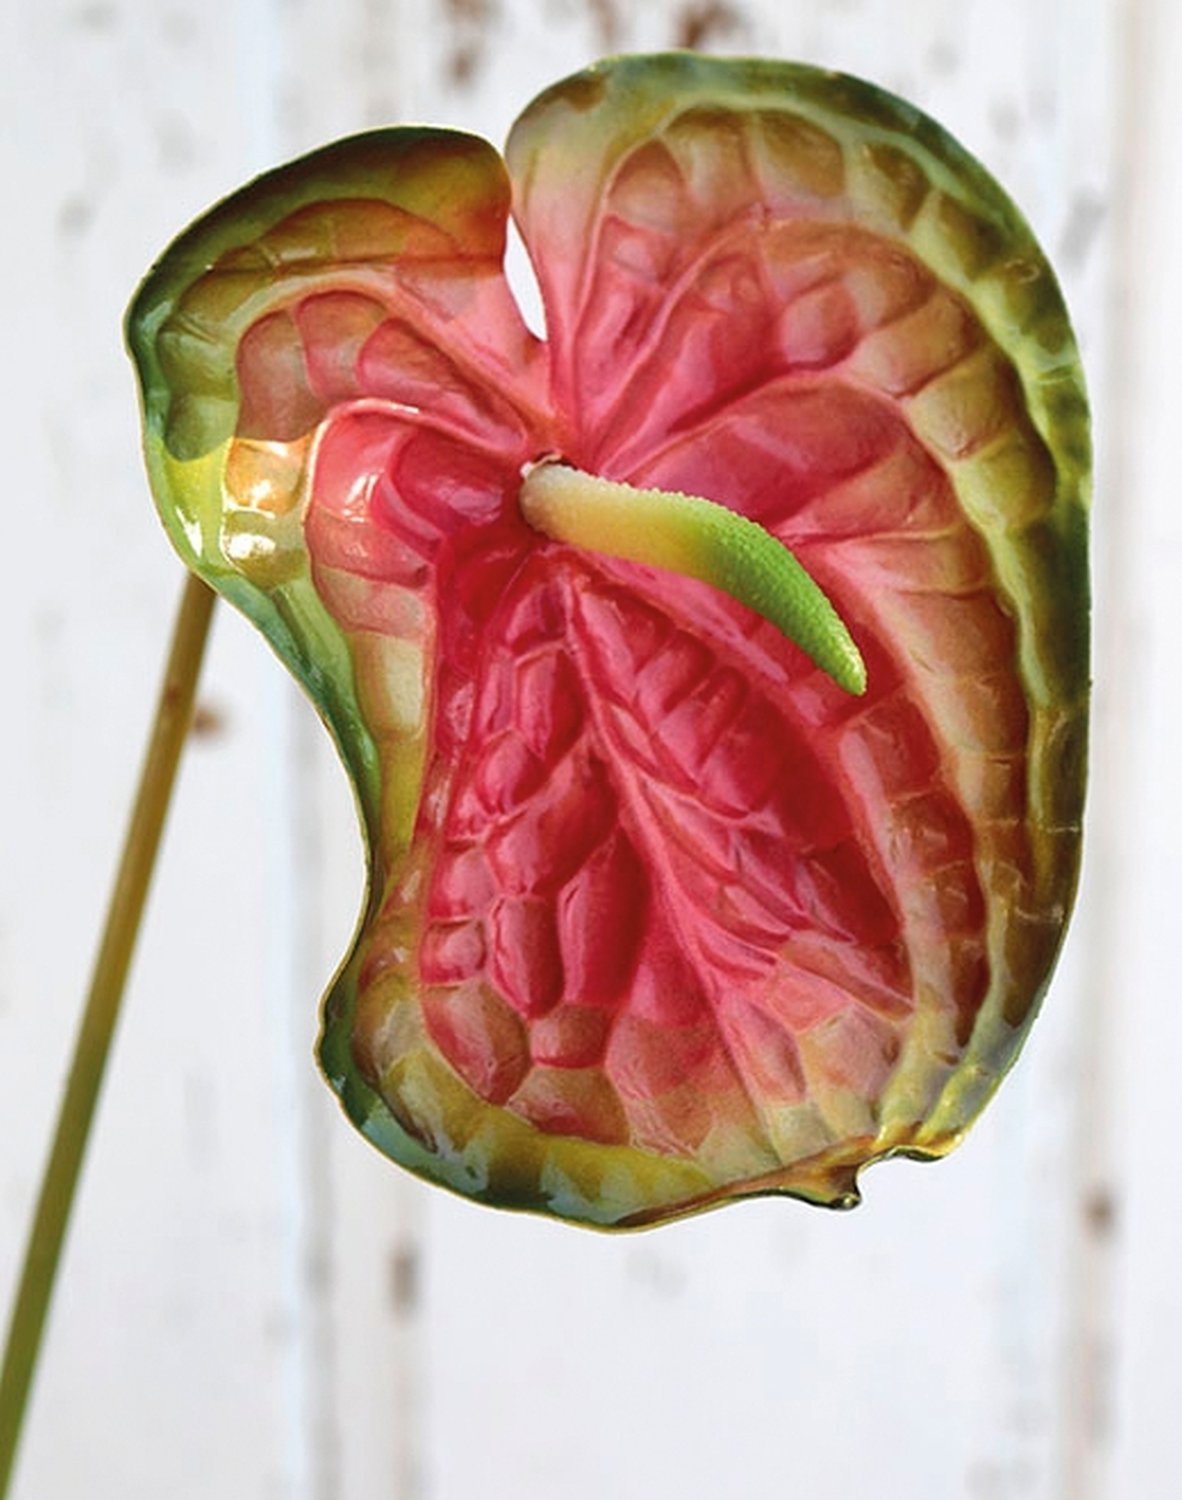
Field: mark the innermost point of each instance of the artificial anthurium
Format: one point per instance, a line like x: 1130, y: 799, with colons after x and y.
x: 712, y: 672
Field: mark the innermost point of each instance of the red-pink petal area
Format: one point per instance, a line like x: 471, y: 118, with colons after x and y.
x: 462, y: 884
x: 297, y: 364
x: 525, y: 960
x: 645, y: 828
x: 385, y: 492
x: 679, y: 1084
x: 665, y: 930
x: 828, y: 462
x: 453, y: 952
x: 852, y: 1049
x: 482, y: 1037
x: 766, y: 1054
x: 278, y: 402
x: 545, y: 843
x: 571, y: 1036
x: 398, y: 364
x: 334, y: 328
x: 602, y: 920
x: 572, y: 1101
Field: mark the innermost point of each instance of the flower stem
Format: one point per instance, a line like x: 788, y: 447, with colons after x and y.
x: 99, y: 1016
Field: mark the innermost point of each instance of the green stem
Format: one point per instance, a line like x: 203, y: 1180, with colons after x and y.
x: 173, y: 715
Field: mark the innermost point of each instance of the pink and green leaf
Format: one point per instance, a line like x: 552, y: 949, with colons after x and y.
x: 659, y: 915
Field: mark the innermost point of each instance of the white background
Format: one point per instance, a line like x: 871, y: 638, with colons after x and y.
x: 254, y: 1306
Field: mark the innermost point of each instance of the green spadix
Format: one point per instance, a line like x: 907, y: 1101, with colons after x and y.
x: 699, y: 539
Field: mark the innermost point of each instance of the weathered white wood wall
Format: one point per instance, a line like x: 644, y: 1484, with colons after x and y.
x: 253, y: 1304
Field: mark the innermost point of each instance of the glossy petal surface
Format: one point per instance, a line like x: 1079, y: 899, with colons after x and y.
x: 659, y: 915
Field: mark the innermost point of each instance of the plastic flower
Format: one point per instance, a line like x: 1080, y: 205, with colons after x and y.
x: 660, y: 914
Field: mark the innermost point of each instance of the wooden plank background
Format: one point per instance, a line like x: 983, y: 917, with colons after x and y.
x: 254, y: 1304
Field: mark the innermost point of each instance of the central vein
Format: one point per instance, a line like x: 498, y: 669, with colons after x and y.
x: 698, y: 539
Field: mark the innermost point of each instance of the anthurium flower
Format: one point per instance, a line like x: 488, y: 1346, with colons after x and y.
x: 712, y: 673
